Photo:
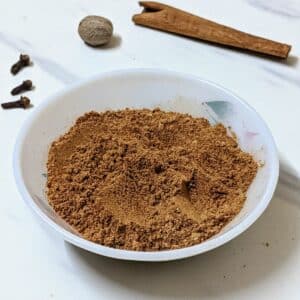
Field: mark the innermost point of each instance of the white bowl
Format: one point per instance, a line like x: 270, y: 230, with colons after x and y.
x: 144, y: 88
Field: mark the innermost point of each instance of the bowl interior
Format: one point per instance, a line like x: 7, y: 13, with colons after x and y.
x: 144, y: 89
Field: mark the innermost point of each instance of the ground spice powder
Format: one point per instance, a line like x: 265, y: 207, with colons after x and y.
x: 147, y: 179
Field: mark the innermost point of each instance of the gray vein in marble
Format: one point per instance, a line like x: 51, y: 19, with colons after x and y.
x: 284, y: 8
x: 55, y: 70
x: 4, y: 39
x: 12, y: 217
x: 49, y: 66
x: 289, y: 180
x: 283, y: 76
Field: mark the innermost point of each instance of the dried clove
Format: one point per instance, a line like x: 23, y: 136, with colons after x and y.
x: 25, y: 86
x: 23, y: 61
x: 23, y: 102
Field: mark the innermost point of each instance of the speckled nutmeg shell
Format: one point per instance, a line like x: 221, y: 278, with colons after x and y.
x: 95, y: 30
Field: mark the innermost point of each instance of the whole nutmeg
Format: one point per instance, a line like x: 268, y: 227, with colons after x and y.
x: 95, y: 30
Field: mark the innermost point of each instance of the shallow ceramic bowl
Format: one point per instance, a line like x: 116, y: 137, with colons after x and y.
x: 144, y: 88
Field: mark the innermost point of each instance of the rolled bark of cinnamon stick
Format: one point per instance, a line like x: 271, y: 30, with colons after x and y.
x: 167, y: 18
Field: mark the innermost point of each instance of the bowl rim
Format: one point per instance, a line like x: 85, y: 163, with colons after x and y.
x: 165, y: 255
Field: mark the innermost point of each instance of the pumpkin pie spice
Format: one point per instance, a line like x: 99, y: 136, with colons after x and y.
x: 147, y: 179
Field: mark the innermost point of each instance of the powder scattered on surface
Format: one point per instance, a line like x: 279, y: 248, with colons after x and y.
x: 147, y: 179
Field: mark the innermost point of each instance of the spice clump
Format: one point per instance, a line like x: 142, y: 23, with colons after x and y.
x: 147, y: 179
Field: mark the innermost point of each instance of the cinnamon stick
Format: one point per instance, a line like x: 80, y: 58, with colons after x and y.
x: 167, y: 18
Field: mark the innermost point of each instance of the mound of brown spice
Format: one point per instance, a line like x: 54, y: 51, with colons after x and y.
x: 147, y: 179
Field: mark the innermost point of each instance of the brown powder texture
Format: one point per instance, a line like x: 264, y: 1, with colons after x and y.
x: 147, y: 179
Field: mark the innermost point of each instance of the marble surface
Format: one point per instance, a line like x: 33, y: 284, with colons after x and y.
x: 264, y: 262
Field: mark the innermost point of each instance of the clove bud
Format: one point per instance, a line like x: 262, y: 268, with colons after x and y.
x: 25, y: 86
x: 23, y: 61
x: 23, y: 102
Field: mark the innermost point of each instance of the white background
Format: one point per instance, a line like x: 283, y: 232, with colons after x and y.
x: 36, y: 264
